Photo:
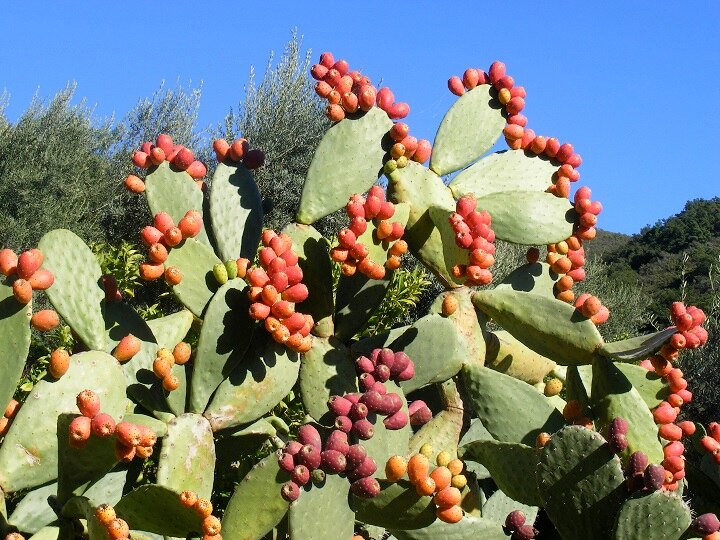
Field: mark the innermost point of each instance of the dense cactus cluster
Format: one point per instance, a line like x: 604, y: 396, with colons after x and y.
x: 541, y: 414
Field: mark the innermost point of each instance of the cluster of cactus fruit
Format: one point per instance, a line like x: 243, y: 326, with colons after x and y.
x: 604, y: 459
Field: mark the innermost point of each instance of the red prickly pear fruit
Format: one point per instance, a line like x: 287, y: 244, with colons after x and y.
x: 575, y: 160
x: 367, y: 467
x: 147, y: 436
x: 254, y: 159
x: 513, y: 132
x: 221, y: 148
x: 334, y: 112
x: 282, y: 309
x: 617, y: 443
x: 353, y: 397
x: 391, y: 404
x: 8, y: 262
x: 294, y: 322
x: 710, y: 445
x: 162, y: 222
x: 183, y: 159
x: 564, y: 152
x: 333, y: 462
x: 293, y: 448
x: 146, y: 147
x: 286, y: 461
x: 173, y: 154
x: 496, y: 71
x: 385, y: 98
x: 257, y: 277
x: 471, y: 78
x: 280, y: 244
x: 190, y: 224
x: 514, y: 106
x: 134, y: 184
x: 366, y: 381
x: 346, y: 238
x: 339, y: 405
x: 355, y: 456
x: 514, y: 520
x: 673, y: 464
x: 28, y: 262
x: 698, y: 315
x: 238, y: 149
x: 705, y: 524
x: 526, y: 532
x: 173, y: 236
x: 421, y: 416
x: 309, y: 435
x: 387, y: 210
x: 164, y: 142
x: 364, y: 365
x: 88, y: 403
x: 157, y: 253
x: 259, y: 311
x: 372, y: 207
x: 173, y: 276
x: 664, y: 414
x: 518, y: 120
x: 310, y: 456
x: 386, y: 357
x: 366, y: 488
x: 465, y: 205
x: 318, y: 72
x: 367, y: 98
x: 103, y: 425
x: 416, y: 405
x: 79, y: 431
x: 151, y: 235
x: 400, y: 363
x: 399, y: 131
x: 343, y: 423
x: 670, y: 432
x: 337, y: 440
x: 342, y: 66
x: 358, y: 225
x: 333, y: 77
x: 654, y: 477
x: 151, y: 271
x: 688, y: 428
x: 677, y: 309
x: 637, y: 463
x: 373, y: 400
x: 59, y: 363
x: 408, y: 373
x: 266, y: 256
x: 363, y: 429
x: 279, y: 280
x: 45, y: 320
x: 398, y: 111
x: 290, y: 491
x: 141, y: 159
x: 601, y: 316
x: 455, y: 85
x: 128, y: 347
x: 290, y: 257
x: 618, y: 426
x: 396, y: 421
x: 349, y: 102
x: 300, y: 475
x: 128, y: 433
x: 381, y: 373
x: 517, y: 91
x: 398, y: 230
x: 157, y: 155
x: 358, y: 411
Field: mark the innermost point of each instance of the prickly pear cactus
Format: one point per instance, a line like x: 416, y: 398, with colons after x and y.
x: 402, y: 430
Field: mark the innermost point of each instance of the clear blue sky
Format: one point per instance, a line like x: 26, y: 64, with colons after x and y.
x: 635, y: 86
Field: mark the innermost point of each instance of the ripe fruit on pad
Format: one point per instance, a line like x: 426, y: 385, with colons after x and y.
x: 59, y: 363
x: 103, y: 425
x: 128, y: 347
x: 45, y: 320
x: 88, y: 403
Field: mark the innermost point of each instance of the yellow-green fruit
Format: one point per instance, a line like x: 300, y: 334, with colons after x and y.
x: 553, y: 387
x: 220, y: 273
x: 402, y: 162
x: 390, y: 166
x: 426, y: 450
x: 443, y: 458
x: 458, y: 481
x: 232, y: 269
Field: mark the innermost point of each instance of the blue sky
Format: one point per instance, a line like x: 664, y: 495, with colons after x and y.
x: 635, y: 86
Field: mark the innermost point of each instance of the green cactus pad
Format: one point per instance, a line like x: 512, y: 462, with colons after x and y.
x: 174, y: 192
x: 14, y: 341
x: 159, y: 427
x: 536, y: 278
x: 652, y: 388
x: 469, y: 322
x: 378, y: 341
x: 581, y: 483
x: 509, y: 170
x: 499, y: 505
x: 658, y: 515
x: 350, y: 159
x: 322, y: 511
x: 578, y: 384
x: 468, y: 528
x: 529, y: 217
x: 187, y: 460
x: 637, y: 348
x: 195, y: 260
x: 398, y: 505
x: 358, y: 297
x: 76, y: 294
x: 476, y: 432
x: 29, y: 455
x: 442, y: 432
x: 256, y: 506
x: 78, y: 468
x: 235, y: 212
x: 549, y: 327
x: 168, y: 516
x: 169, y: 331
x: 511, y: 465
x: 326, y: 370
x: 246, y: 440
x: 468, y: 130
x: 389, y: 442
x: 511, y: 410
x: 314, y: 260
x: 109, y: 489
x: 614, y: 396
x: 422, y: 189
x: 256, y: 385
x: 507, y: 355
x: 47, y: 533
x: 33, y: 512
x: 224, y: 339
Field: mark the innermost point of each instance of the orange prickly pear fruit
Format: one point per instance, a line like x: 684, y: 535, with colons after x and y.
x: 59, y: 363
x: 41, y: 280
x: 128, y: 347
x: 8, y: 262
x: 45, y: 320
x: 28, y: 262
x: 134, y: 184
x: 395, y: 468
x: 418, y: 468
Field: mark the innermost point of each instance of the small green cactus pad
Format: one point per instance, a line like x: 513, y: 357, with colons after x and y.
x: 108, y: 489
x: 266, y: 375
x: 187, y: 460
x: 422, y: 189
x: 511, y: 410
x: 536, y: 278
x: 168, y: 517
x: 507, y: 355
x: 442, y: 432
x: 76, y: 294
x: 651, y: 387
x: 549, y: 327
x: 476, y: 432
x: 512, y: 212
x: 322, y: 511
x: 314, y: 260
x: 581, y: 483
x: 358, y: 297
x: 397, y: 505
x: 468, y: 130
x: 468, y: 528
x: 29, y: 454
x: 80, y: 467
x: 14, y: 341
x: 637, y: 348
x: 195, y: 260
x: 350, y: 159
x: 224, y: 339
x: 614, y: 396
x: 511, y: 465
x: 499, y: 505
x: 326, y: 370
x: 33, y: 512
x: 659, y: 515
x: 389, y: 442
x: 174, y: 192
x: 509, y: 170
x: 256, y: 506
x: 235, y: 211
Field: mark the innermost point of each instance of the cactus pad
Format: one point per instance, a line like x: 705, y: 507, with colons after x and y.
x: 469, y: 322
x: 507, y: 355
x: 322, y: 511
x: 33, y: 512
x: 397, y: 505
x: 499, y: 505
x: 14, y: 341
x: 165, y: 503
x: 468, y: 528
x: 358, y: 297
x: 536, y: 278
x: 442, y: 432
x: 389, y: 442
x: 195, y: 260
x: 659, y: 515
x: 637, y: 348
